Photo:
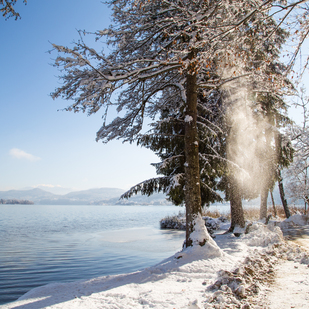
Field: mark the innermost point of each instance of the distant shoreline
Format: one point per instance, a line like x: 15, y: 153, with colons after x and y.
x: 15, y: 201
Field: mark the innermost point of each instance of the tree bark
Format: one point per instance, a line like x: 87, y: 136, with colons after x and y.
x: 237, y: 213
x: 263, y: 206
x: 282, y: 195
x: 306, y: 203
x: 192, y: 172
x: 273, y: 202
x: 280, y: 183
x: 270, y: 160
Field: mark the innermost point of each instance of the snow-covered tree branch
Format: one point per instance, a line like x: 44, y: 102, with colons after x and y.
x: 162, y: 53
x: 7, y: 8
x: 297, y: 174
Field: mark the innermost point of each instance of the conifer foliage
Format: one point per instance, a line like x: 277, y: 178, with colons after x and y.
x: 166, y: 139
x: 163, y: 55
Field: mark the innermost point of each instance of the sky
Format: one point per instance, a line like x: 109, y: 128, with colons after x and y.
x: 39, y: 144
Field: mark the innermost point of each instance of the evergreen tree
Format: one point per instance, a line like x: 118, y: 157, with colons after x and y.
x: 166, y: 139
x: 279, y: 155
x: 253, y: 120
x: 167, y: 45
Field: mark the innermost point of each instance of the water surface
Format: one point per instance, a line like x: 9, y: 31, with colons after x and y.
x: 44, y: 244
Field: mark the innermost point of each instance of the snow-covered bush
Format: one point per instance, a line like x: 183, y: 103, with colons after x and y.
x: 223, y: 219
x: 212, y: 225
x: 178, y: 222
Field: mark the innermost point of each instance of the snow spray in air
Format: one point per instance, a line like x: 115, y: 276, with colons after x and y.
x: 250, y: 142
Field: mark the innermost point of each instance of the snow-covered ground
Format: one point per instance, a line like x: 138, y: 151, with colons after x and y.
x: 256, y: 270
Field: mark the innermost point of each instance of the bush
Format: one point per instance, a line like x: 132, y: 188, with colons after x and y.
x: 178, y: 222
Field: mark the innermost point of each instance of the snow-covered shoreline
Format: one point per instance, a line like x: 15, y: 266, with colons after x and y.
x: 241, y: 276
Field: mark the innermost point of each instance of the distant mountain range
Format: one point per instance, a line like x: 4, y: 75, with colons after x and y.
x: 100, y: 196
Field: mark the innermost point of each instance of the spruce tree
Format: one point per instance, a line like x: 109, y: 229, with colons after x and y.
x: 166, y: 139
x: 171, y: 45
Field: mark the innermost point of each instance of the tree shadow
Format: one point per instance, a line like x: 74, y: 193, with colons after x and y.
x: 298, y: 234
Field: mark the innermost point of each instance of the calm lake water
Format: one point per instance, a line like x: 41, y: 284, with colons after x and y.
x: 45, y: 244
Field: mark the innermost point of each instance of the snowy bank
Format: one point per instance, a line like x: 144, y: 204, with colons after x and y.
x: 295, y: 220
x: 236, y: 276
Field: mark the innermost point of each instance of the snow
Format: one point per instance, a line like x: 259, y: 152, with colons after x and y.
x: 176, y: 179
x: 199, y: 235
x: 288, y: 279
x: 256, y: 270
x: 295, y: 220
x: 188, y: 118
x: 262, y: 235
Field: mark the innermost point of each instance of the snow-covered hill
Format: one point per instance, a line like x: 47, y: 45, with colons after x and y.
x: 97, y: 196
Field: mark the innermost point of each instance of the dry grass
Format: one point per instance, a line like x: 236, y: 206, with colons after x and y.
x: 212, y: 213
x: 252, y: 213
x: 293, y: 210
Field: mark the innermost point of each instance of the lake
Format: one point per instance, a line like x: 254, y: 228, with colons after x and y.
x: 44, y: 244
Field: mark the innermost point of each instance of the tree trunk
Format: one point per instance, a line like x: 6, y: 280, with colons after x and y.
x: 237, y: 213
x: 192, y: 171
x: 263, y: 206
x: 268, y: 168
x: 273, y: 202
x: 282, y: 195
x: 306, y: 203
x: 280, y: 183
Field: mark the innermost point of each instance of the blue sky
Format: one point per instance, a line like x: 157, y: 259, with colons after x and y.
x: 43, y: 146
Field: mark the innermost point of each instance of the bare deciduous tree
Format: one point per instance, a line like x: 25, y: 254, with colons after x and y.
x: 297, y: 175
